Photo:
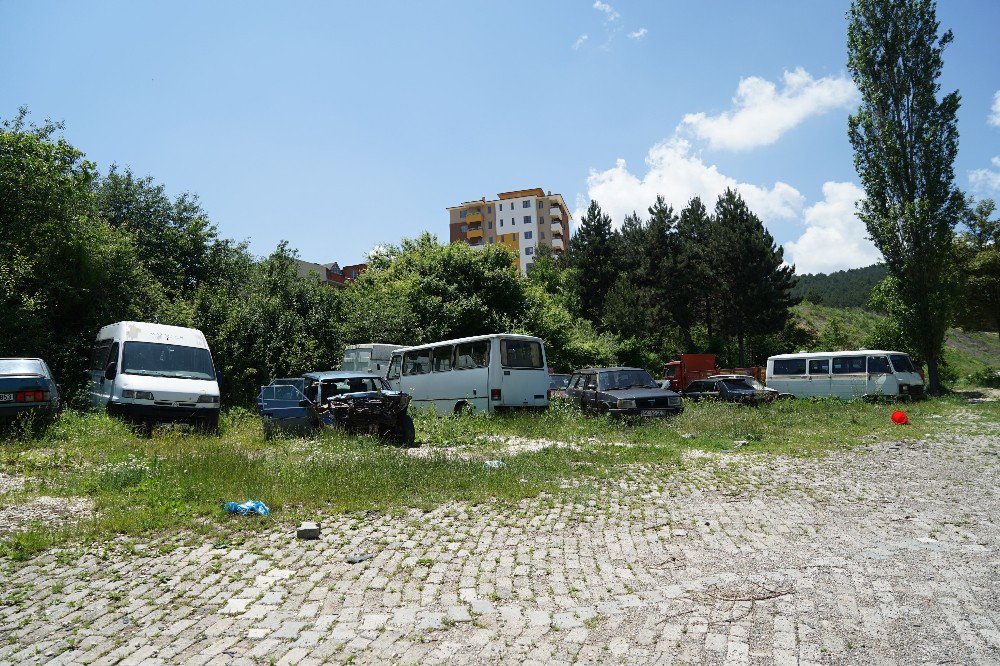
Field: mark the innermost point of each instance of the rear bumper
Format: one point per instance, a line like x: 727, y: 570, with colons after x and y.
x: 155, y: 414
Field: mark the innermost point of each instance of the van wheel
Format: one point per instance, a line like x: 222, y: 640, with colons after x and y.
x: 462, y: 408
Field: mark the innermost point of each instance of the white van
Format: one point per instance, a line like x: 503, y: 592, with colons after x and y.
x: 845, y: 374
x: 371, y: 357
x: 484, y: 373
x: 152, y: 373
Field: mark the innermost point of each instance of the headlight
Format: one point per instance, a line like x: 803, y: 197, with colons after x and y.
x: 208, y: 399
x: 626, y: 404
x: 137, y: 395
x: 674, y: 401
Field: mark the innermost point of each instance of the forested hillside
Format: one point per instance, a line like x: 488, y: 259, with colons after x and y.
x: 842, y: 289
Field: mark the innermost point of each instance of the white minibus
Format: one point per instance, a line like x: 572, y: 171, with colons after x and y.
x: 371, y: 357
x: 484, y: 373
x: 153, y: 373
x: 845, y: 374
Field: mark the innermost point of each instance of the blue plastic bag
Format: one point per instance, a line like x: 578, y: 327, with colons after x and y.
x: 250, y: 506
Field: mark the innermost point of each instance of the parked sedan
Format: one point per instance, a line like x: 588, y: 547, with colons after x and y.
x: 622, y: 392
x: 26, y: 385
x: 557, y: 385
x: 729, y: 388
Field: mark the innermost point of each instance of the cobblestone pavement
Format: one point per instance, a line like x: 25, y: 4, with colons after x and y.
x: 885, y: 555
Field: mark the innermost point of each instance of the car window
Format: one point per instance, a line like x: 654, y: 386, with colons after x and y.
x: 845, y: 365
x: 901, y: 362
x: 591, y: 382
x: 394, y: 367
x: 736, y: 384
x: 789, y: 366
x: 21, y: 366
x: 879, y: 365
x: 472, y: 355
x: 442, y: 358
x: 819, y: 366
x: 417, y: 362
x: 618, y: 380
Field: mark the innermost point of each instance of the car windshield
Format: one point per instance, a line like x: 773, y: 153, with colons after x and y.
x: 21, y: 366
x: 617, y: 380
x: 164, y: 360
x: 901, y: 363
x: 558, y: 381
x: 737, y: 384
x: 332, y: 387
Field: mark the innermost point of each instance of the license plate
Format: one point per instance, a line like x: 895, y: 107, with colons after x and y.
x: 6, y: 397
x: 653, y: 412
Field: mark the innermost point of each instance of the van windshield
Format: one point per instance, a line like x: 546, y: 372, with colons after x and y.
x: 901, y: 363
x: 162, y: 360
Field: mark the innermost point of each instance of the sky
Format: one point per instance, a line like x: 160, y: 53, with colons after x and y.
x: 340, y: 127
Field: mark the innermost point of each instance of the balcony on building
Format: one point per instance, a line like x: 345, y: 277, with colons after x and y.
x: 557, y: 245
x: 555, y: 213
x: 473, y: 217
x: 477, y: 245
x: 557, y: 228
x: 474, y: 233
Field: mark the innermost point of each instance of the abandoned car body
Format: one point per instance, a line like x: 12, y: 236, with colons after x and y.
x: 622, y: 392
x: 359, y: 402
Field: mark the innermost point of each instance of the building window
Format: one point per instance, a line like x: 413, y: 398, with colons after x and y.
x: 462, y: 213
x: 542, y: 234
x: 541, y: 219
x: 539, y: 204
x: 489, y: 225
x: 529, y: 250
x: 525, y: 204
x: 527, y: 234
x: 489, y: 209
x: 465, y: 228
x: 491, y: 240
x: 527, y: 219
x: 501, y: 223
x: 501, y: 206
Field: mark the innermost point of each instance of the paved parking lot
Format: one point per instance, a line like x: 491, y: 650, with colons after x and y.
x: 885, y: 555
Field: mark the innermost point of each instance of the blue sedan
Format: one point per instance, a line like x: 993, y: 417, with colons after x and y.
x: 26, y: 385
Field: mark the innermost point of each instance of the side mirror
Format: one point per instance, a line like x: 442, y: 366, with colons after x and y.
x: 304, y: 403
x: 111, y: 371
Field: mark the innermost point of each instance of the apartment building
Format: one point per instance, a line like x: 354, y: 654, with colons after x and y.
x: 521, y: 220
x: 331, y: 274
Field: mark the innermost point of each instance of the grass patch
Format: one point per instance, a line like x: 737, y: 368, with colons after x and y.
x: 176, y: 481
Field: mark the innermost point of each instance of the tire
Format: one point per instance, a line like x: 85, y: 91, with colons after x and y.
x: 461, y: 408
x: 405, y: 432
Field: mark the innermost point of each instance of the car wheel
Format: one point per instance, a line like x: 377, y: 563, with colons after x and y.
x: 405, y: 432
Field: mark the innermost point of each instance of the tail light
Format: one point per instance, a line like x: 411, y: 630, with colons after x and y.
x: 31, y: 396
x: 495, y: 394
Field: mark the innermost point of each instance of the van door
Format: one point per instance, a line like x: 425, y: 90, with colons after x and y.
x: 848, y: 377
x: 98, y: 362
x: 880, y: 378
x: 524, y: 379
x: 104, y: 388
x: 818, y: 383
x: 392, y: 374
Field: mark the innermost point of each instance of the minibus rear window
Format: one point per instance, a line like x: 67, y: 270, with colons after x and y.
x: 848, y: 365
x: 789, y: 366
x: 902, y: 363
x: 520, y: 354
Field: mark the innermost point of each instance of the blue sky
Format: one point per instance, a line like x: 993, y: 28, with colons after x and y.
x: 340, y: 126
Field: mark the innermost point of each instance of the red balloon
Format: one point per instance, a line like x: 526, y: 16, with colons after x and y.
x: 899, y: 417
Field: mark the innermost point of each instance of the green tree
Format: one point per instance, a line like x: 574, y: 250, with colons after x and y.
x: 593, y: 251
x: 980, y: 261
x: 753, y: 282
x: 694, y: 265
x: 905, y: 140
x: 65, y: 272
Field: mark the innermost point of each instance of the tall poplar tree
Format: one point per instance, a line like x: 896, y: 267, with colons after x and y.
x: 905, y: 141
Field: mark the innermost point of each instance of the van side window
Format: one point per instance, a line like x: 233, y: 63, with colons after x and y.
x: 789, y: 366
x: 846, y: 365
x: 417, y: 362
x: 99, y: 355
x: 394, y: 367
x: 112, y: 355
x: 442, y: 358
x: 819, y: 366
x: 879, y: 365
x: 472, y: 355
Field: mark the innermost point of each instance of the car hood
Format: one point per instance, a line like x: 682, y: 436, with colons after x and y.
x: 633, y: 393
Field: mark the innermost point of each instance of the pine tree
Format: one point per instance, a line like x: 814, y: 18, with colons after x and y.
x: 593, y: 252
x: 905, y: 141
x: 694, y: 266
x: 754, y: 284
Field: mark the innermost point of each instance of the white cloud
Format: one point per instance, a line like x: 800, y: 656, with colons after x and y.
x: 762, y: 113
x: 994, y: 118
x: 638, y: 34
x: 986, y: 180
x: 579, y: 41
x: 608, y: 10
x: 677, y: 174
x: 834, y: 239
